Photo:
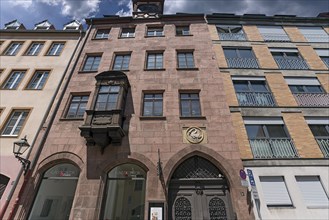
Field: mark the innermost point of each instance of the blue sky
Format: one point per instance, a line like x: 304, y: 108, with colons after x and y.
x: 59, y: 12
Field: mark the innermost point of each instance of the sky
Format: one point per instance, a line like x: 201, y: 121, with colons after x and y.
x: 60, y: 12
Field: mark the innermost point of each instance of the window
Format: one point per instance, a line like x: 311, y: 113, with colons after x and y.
x: 102, y: 34
x: 128, y: 32
x: 304, y: 85
x: 230, y: 32
x: 34, y: 49
x: 314, y: 34
x: 13, y: 80
x: 154, y: 61
x: 107, y: 98
x: 190, y: 104
x: 253, y: 91
x: 275, y: 191
x: 56, y: 193
x: 269, y: 138
x: 13, y: 48
x: 15, y: 123
x: 185, y: 60
x: 120, y: 180
x: 240, y: 58
x: 273, y: 33
x: 182, y: 30
x: 312, y: 191
x: 153, y: 104
x: 39, y: 79
x: 4, y: 180
x: 320, y: 129
x: 324, y: 55
x: 55, y: 49
x: 91, y: 63
x: 77, y: 106
x: 121, y: 62
x: 155, y: 31
x: 288, y: 58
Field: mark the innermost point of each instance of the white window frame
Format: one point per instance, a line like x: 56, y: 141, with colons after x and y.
x: 16, y: 123
x: 57, y: 45
x: 39, y: 80
x: 11, y: 85
x: 35, y: 51
x: 127, y: 34
x: 104, y: 34
x: 275, y: 191
x: 13, y: 51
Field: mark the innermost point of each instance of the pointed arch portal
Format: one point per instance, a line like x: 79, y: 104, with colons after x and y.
x: 198, y: 190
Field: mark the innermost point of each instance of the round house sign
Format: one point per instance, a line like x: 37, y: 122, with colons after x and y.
x: 194, y: 135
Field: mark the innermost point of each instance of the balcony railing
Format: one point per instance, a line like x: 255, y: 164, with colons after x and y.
x: 273, y: 148
x: 232, y: 36
x: 316, y: 38
x: 249, y: 63
x: 326, y: 61
x: 255, y: 98
x: 276, y: 37
x: 324, y: 146
x: 312, y: 99
x: 294, y: 64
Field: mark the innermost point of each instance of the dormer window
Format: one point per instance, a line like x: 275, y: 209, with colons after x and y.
x: 14, y: 25
x: 44, y: 25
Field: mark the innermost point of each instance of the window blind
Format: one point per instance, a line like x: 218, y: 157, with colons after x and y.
x: 275, y: 191
x: 312, y: 191
x: 262, y: 121
x: 271, y: 30
x: 248, y: 78
x: 292, y: 50
x: 317, y: 121
x: 322, y: 52
x: 302, y: 81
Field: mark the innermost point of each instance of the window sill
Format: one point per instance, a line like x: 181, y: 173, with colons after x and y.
x: 281, y: 206
x: 162, y: 69
x: 125, y: 70
x: 125, y: 37
x: 189, y: 69
x: 82, y: 72
x: 8, y: 136
x: 100, y: 39
x: 142, y: 118
x: 71, y: 119
x: 154, y: 36
x: 318, y: 207
x: 193, y: 117
x: 186, y: 35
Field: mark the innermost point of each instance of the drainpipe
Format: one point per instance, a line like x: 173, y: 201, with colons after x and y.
x: 44, y: 137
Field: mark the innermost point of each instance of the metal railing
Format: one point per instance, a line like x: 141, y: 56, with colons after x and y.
x: 273, y: 148
x: 294, y: 64
x: 324, y: 145
x: 255, y: 99
x: 312, y: 99
x: 249, y: 63
x: 317, y: 38
x: 232, y: 36
x: 326, y: 61
x: 276, y: 37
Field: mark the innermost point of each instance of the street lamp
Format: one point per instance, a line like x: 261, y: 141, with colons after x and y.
x: 18, y: 149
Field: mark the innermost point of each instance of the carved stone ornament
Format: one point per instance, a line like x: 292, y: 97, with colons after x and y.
x: 102, y: 120
x: 194, y: 135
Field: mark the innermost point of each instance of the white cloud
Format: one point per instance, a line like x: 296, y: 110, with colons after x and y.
x: 76, y: 9
x: 128, y: 4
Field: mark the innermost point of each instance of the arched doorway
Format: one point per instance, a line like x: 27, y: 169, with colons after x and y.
x: 198, y: 190
x: 56, y: 193
x: 124, y: 196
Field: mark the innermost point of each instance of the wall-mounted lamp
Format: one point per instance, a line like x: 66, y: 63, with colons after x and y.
x: 18, y: 149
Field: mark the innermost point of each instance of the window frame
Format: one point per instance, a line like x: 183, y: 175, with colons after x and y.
x: 128, y: 33
x: 123, y: 54
x: 10, y: 117
x: 155, y: 31
x: 59, y: 45
x: 190, y: 104
x: 152, y: 100
x: 37, y: 51
x: 179, y: 52
x: 105, y: 32
x: 19, y: 79
x: 39, y: 81
x: 237, y: 52
x: 326, y: 127
x: 156, y: 54
x: 108, y: 97
x: 69, y: 103
x: 16, y: 50
x: 181, y: 28
x: 94, y: 56
x: 249, y: 85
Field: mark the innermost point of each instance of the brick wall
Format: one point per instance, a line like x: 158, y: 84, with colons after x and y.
x: 302, y: 136
x: 264, y: 56
x: 213, y: 32
x: 229, y: 90
x: 221, y: 61
x: 311, y: 57
x: 324, y: 80
x: 252, y: 33
x: 294, y: 34
x: 280, y: 89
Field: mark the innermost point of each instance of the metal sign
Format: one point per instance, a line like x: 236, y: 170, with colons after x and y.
x: 253, y: 184
x: 243, y: 174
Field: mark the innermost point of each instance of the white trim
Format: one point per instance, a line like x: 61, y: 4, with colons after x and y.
x: 302, y: 81
x: 317, y: 121
x: 263, y: 120
x: 275, y: 190
x: 258, y: 78
x: 293, y: 50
